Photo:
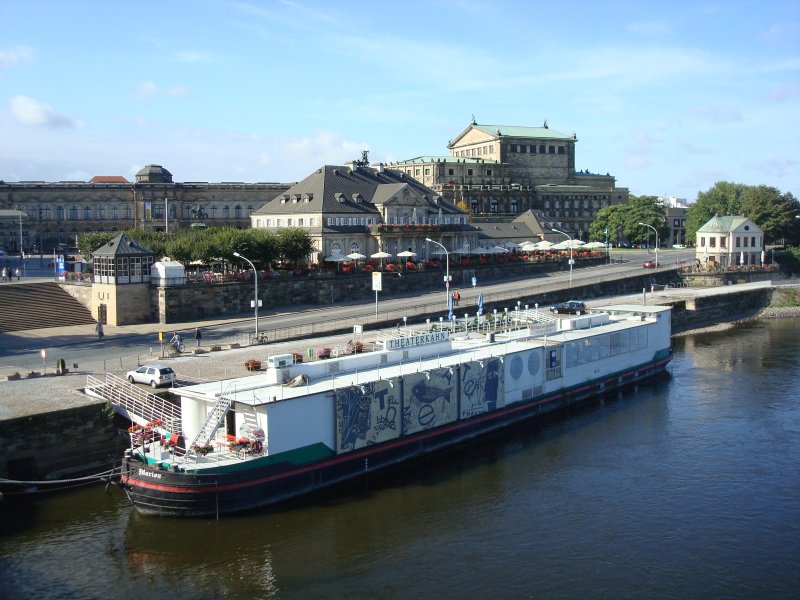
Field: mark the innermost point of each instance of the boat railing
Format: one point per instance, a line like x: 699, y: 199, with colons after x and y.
x: 140, y: 406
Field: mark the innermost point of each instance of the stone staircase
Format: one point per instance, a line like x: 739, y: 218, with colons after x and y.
x: 38, y: 306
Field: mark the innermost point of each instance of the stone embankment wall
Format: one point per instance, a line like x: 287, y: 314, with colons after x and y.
x: 192, y: 302
x: 59, y: 444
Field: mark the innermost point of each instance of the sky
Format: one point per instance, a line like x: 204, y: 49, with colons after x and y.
x: 668, y: 97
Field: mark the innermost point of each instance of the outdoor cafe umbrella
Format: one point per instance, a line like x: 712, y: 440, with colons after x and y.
x: 337, y: 258
x: 528, y: 246
x: 356, y: 256
x: 381, y: 255
x: 406, y: 254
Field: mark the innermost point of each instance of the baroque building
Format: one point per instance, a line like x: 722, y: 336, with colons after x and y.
x: 55, y: 214
x: 501, y: 171
x: 363, y: 209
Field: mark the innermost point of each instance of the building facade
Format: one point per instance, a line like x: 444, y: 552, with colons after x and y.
x: 361, y: 209
x: 732, y: 240
x: 55, y: 214
x: 503, y: 171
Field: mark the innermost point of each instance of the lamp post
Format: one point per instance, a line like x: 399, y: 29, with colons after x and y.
x: 570, y: 253
x: 447, y: 270
x: 21, y: 252
x: 656, y: 230
x: 255, y: 279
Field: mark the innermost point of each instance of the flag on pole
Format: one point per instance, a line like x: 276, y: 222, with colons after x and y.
x: 450, y: 306
x: 480, y: 303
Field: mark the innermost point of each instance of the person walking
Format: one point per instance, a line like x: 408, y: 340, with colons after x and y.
x: 456, y: 297
x: 5, y: 273
x: 197, y: 336
x: 17, y: 273
x: 99, y: 330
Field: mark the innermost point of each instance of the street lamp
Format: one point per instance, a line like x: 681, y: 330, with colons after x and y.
x: 21, y: 251
x: 570, y: 253
x: 656, y: 230
x: 255, y: 279
x: 447, y: 270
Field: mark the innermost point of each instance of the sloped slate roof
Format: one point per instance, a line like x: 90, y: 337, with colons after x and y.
x: 336, y: 189
x: 724, y: 224
x: 122, y: 245
x: 108, y: 179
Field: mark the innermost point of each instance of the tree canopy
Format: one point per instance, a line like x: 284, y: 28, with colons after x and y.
x: 622, y: 221
x: 773, y: 212
x: 213, y: 243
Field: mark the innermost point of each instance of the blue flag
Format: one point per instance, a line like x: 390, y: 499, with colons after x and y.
x: 450, y: 306
x: 480, y: 303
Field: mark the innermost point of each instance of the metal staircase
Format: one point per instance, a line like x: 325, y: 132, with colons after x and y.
x: 215, y: 418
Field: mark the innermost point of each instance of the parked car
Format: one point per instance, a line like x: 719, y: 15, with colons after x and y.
x: 649, y: 264
x: 153, y: 375
x: 571, y: 307
x: 678, y: 246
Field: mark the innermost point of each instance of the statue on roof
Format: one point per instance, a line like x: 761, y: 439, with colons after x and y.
x: 473, y: 120
x: 545, y: 123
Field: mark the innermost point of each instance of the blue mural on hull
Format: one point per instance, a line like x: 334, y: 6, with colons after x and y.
x: 429, y: 400
x: 481, y: 387
x: 365, y: 415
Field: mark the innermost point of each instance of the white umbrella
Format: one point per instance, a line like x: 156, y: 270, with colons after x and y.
x: 498, y: 250
x: 381, y: 255
x: 594, y: 245
x: 544, y: 245
x: 528, y: 246
x: 406, y: 254
x: 356, y: 256
x: 510, y: 245
x: 336, y: 258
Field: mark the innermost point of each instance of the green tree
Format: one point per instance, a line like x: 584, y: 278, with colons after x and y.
x: 622, y: 220
x: 772, y: 212
x: 723, y: 198
x: 294, y: 244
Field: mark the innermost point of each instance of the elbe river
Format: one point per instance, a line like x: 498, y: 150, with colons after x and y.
x: 684, y: 487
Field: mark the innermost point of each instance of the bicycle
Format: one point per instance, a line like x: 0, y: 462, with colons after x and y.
x: 175, y: 349
x: 261, y: 338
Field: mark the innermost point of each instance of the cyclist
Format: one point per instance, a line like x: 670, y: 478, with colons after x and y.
x: 176, y: 341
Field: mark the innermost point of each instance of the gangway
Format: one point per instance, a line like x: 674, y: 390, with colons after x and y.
x: 215, y: 418
x: 133, y: 403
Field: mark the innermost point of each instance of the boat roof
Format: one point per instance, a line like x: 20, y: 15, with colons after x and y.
x: 461, y: 347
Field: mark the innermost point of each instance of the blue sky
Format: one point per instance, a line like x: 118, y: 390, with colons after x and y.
x: 669, y: 97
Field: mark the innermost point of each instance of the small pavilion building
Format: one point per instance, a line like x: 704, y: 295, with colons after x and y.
x: 121, y: 285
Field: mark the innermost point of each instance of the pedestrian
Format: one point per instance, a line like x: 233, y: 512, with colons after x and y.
x: 5, y: 273
x: 18, y: 273
x: 456, y: 297
x: 197, y: 336
x: 99, y: 330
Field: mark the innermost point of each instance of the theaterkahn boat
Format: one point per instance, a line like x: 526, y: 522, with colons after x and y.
x: 296, y: 428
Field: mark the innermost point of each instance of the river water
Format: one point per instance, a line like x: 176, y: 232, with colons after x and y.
x: 685, y: 487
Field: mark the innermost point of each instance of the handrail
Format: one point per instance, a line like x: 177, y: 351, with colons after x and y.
x: 142, y: 406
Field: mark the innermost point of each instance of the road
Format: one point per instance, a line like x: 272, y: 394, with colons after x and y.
x: 21, y: 351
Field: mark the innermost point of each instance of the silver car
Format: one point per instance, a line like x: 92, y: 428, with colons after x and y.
x: 153, y: 375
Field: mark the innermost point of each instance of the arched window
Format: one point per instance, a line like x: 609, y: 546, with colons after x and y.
x: 353, y: 247
x: 114, y: 212
x: 473, y: 206
x: 336, y: 248
x: 213, y: 211
x: 237, y: 212
x: 60, y: 216
x: 73, y: 213
x: 87, y: 213
x: 493, y: 206
x: 127, y: 212
x: 101, y: 212
x: 250, y: 209
x: 514, y: 205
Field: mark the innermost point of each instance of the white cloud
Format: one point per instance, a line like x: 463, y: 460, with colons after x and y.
x: 649, y: 28
x: 782, y: 93
x: 15, y: 56
x: 146, y: 89
x: 29, y: 111
x: 178, y: 91
x: 637, y: 162
x: 775, y: 167
x: 716, y: 114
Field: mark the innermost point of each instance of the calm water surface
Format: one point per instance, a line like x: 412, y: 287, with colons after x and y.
x: 686, y: 487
